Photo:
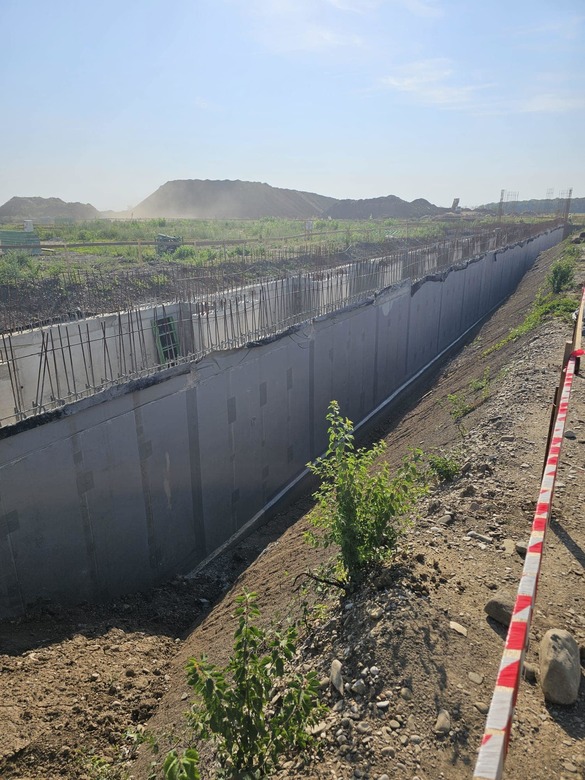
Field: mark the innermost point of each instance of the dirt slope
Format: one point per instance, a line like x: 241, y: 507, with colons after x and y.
x: 74, y: 682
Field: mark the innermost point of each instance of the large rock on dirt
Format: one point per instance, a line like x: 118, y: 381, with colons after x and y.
x: 336, y: 677
x: 443, y: 723
x: 560, y: 670
x: 500, y: 607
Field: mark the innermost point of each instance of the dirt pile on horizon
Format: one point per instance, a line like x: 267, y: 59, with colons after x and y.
x: 46, y: 208
x: 207, y: 199
x: 382, y: 208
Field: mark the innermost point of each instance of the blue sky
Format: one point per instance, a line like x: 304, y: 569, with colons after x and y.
x: 104, y: 102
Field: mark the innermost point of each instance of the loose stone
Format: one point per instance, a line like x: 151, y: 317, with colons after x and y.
x: 522, y: 549
x: 529, y: 671
x: 458, y: 628
x: 560, y: 670
x: 359, y: 687
x: 335, y: 676
x: 500, y: 607
x: 509, y: 546
x: 480, y: 537
x: 443, y: 723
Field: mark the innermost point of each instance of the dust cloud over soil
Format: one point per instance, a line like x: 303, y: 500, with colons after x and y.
x: 78, y: 685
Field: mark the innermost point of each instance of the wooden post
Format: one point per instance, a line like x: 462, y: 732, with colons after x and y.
x: 577, y: 336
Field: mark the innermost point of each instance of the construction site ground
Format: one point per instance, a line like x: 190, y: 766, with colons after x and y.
x: 82, y: 687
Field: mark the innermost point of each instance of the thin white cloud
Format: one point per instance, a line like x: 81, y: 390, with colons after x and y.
x: 288, y: 26
x: 318, y: 38
x: 424, y: 8
x: 551, y: 103
x: 567, y: 28
x: 431, y: 82
x: 435, y: 82
x: 355, y: 6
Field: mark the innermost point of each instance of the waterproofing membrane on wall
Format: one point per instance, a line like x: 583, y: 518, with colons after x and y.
x: 471, y: 293
x: 391, y: 337
x: 344, y: 367
x: 423, y: 323
x: 131, y: 490
x: 452, y: 297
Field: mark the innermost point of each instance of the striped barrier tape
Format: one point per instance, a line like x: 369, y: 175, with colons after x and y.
x: 494, y: 745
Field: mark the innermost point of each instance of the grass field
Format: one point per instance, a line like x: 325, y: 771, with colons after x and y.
x: 216, y: 242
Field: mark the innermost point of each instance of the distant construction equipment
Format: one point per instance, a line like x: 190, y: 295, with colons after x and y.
x: 167, y: 244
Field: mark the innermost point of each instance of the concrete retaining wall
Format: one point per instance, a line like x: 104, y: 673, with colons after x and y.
x: 122, y: 490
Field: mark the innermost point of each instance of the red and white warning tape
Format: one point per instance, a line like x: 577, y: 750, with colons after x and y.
x: 494, y: 745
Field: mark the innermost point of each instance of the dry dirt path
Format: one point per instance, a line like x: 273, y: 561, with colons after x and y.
x: 74, y: 681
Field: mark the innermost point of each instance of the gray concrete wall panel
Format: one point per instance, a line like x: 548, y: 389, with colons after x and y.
x: 329, y: 369
x: 470, y: 306
x: 488, y: 263
x: 284, y: 413
x: 162, y: 441
x: 215, y: 435
x: 107, y: 471
x: 51, y: 538
x: 131, y: 488
x: 246, y: 438
x: 358, y: 376
x: 452, y: 294
x: 345, y: 366
x: 423, y: 324
x: 393, y: 312
x: 508, y: 278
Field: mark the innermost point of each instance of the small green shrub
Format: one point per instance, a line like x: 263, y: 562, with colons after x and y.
x: 482, y: 383
x: 459, y: 407
x: 562, y: 275
x: 544, y: 307
x: 443, y: 467
x: 359, y: 506
x: 252, y: 710
x: 18, y: 266
x: 184, y: 767
x: 186, y: 253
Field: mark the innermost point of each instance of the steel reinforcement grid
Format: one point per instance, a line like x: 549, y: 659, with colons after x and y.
x: 78, y: 294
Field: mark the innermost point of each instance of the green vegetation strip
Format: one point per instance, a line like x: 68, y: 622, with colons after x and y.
x: 552, y: 301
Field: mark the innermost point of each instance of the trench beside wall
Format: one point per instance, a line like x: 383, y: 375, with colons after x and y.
x: 125, y: 489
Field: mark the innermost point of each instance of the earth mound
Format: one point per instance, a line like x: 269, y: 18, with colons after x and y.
x: 208, y: 199
x: 380, y: 208
x: 51, y: 208
x: 535, y: 206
